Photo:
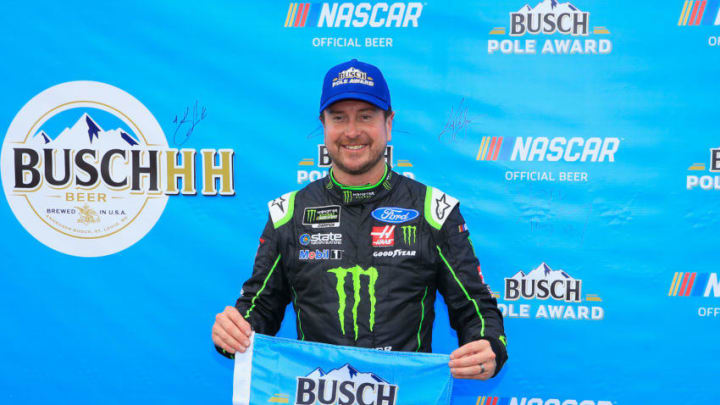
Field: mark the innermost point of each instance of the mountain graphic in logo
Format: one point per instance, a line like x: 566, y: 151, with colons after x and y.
x: 549, y: 6
x: 543, y: 272
x: 347, y: 373
x: 86, y: 132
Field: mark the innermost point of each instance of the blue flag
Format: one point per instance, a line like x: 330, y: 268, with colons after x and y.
x: 285, y: 371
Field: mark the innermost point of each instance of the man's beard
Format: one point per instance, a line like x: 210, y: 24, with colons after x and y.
x: 360, y: 170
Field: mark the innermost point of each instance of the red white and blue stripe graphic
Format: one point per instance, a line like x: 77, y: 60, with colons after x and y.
x: 497, y: 401
x: 300, y: 14
x: 297, y: 14
x: 487, y: 401
x: 495, y: 148
x: 700, y: 12
x: 688, y: 284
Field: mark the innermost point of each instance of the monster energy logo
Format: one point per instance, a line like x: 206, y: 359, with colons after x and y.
x: 409, y: 233
x: 347, y: 194
x: 310, y: 215
x: 355, y: 272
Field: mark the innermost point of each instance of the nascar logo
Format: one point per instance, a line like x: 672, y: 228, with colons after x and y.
x: 694, y: 285
x: 700, y: 12
x: 550, y: 149
x: 535, y: 401
x: 358, y: 15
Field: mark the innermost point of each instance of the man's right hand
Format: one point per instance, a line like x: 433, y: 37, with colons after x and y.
x: 231, y: 331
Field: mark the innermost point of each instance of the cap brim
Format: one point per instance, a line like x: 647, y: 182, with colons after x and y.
x: 355, y: 96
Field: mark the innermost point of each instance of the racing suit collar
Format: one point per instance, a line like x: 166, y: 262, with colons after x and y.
x: 351, y: 195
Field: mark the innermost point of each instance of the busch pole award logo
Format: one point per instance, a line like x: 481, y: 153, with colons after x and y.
x: 86, y: 169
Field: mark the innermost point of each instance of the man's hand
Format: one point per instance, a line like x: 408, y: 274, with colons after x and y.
x: 474, y: 360
x: 231, y: 331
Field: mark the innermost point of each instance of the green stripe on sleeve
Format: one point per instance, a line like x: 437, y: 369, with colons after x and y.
x: 252, y: 303
x: 422, y: 318
x: 462, y: 287
x: 298, y: 315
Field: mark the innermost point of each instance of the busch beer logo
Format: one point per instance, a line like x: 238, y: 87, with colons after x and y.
x: 355, y: 272
x: 383, y: 235
x: 87, y: 170
x: 345, y: 385
x: 543, y: 283
x: 549, y: 17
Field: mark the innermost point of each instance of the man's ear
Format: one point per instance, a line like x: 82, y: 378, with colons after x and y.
x: 388, y: 125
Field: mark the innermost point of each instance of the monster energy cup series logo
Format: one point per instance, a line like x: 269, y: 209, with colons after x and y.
x: 355, y: 272
x: 322, y: 217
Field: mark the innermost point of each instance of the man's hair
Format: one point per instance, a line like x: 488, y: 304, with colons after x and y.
x: 387, y: 112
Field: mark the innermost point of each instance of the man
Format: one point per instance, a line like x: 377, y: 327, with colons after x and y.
x: 362, y: 252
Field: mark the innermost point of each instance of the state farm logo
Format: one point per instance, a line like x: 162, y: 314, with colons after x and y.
x: 87, y: 170
x: 383, y: 236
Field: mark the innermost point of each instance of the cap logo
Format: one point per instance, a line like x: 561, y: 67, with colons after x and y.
x: 353, y: 75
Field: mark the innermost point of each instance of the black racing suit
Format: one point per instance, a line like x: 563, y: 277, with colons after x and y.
x: 361, y: 266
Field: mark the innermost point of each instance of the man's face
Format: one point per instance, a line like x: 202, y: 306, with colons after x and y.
x: 356, y: 134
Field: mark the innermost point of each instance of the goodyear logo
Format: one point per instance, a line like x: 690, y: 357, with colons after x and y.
x: 357, y: 15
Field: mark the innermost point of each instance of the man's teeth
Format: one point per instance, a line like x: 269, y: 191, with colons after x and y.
x: 354, y: 147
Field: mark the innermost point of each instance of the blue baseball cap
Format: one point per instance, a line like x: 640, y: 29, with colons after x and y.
x: 355, y: 80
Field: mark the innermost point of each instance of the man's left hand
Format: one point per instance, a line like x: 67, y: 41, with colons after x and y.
x: 474, y: 360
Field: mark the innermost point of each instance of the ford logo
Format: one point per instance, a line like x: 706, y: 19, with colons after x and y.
x: 394, y: 215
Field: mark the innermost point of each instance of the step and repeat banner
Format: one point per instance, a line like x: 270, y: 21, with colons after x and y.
x: 141, y: 142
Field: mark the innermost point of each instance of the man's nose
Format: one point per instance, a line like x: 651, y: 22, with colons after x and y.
x: 351, y: 129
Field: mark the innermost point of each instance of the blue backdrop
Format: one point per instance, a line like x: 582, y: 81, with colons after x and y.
x: 586, y: 147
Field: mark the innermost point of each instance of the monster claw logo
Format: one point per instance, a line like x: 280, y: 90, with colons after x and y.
x: 409, y: 234
x: 310, y: 215
x: 347, y: 194
x: 355, y: 272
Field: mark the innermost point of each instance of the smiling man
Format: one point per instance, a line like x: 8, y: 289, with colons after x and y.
x: 362, y: 252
